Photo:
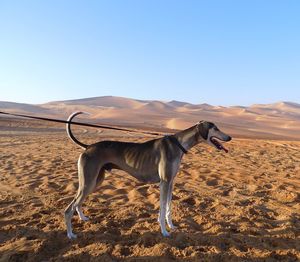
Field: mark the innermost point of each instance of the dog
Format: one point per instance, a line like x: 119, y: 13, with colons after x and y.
x: 154, y: 161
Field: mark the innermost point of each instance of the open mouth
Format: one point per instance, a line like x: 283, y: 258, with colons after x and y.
x: 217, y: 144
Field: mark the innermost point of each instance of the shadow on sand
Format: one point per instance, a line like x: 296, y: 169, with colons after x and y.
x: 29, y: 244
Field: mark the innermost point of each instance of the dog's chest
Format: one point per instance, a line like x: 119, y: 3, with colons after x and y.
x: 148, y: 178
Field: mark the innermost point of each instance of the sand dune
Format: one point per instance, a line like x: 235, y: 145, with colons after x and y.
x: 240, y: 206
x: 105, y: 101
x: 279, y: 120
x: 23, y: 108
x: 176, y: 123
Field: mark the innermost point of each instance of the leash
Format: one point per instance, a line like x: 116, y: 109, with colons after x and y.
x: 172, y: 138
x: 82, y: 124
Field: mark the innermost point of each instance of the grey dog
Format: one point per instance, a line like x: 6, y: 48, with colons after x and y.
x: 153, y: 161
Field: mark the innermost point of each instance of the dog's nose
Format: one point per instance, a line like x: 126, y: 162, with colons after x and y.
x: 229, y: 138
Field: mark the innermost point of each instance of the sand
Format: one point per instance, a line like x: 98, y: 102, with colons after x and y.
x: 240, y: 206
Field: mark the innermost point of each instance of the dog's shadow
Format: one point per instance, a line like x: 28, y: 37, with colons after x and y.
x: 107, y: 244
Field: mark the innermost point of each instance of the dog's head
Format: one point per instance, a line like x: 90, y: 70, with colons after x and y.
x: 212, y: 135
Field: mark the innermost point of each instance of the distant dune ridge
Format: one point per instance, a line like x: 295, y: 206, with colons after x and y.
x: 274, y: 121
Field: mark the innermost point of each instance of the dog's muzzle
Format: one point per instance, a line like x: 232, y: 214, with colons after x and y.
x: 216, y: 142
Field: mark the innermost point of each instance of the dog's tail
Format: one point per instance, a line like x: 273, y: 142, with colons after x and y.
x: 69, y: 132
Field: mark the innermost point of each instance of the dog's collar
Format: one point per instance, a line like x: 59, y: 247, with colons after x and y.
x: 175, y: 141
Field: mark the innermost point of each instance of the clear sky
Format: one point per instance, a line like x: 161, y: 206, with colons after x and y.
x: 219, y: 52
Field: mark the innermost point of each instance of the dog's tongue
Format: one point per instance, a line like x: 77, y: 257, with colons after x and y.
x: 224, y: 148
x: 219, y: 145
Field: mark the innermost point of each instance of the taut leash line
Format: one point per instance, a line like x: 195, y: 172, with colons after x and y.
x: 173, y: 139
x: 81, y: 124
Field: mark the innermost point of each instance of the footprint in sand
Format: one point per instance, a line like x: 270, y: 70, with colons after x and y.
x: 285, y: 196
x: 231, y: 192
x: 212, y: 182
x: 189, y: 200
x: 268, y: 186
x: 245, y: 202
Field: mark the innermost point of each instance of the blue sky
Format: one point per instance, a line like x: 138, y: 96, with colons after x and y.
x: 219, y: 52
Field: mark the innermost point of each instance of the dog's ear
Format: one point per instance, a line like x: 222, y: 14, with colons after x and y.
x: 203, y: 129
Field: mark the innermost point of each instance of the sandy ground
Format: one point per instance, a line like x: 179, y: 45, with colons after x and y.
x: 240, y: 206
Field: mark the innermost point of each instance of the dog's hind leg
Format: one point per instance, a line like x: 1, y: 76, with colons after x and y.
x: 100, y: 179
x: 68, y: 216
x: 87, y: 171
x: 80, y: 214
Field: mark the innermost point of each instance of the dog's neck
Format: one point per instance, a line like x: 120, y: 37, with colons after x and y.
x: 189, y: 137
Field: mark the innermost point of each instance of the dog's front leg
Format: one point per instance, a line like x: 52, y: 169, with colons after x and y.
x: 169, y: 211
x: 164, y: 185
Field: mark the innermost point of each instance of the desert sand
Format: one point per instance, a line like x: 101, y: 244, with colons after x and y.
x: 240, y: 206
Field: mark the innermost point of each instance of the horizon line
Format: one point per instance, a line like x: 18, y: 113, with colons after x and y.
x: 151, y: 100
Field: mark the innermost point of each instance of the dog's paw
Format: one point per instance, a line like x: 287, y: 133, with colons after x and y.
x: 173, y: 227
x: 166, y: 234
x: 84, y: 218
x: 71, y: 235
